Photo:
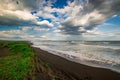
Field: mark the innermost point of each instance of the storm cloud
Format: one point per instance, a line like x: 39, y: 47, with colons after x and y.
x: 18, y: 12
x: 72, y: 18
x: 92, y: 14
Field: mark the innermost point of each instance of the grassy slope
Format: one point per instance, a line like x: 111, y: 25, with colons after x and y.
x: 21, y: 63
x: 18, y: 64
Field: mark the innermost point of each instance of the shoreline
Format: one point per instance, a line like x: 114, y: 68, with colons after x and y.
x: 79, y: 71
x: 83, y: 62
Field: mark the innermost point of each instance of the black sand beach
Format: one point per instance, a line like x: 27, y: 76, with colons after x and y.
x: 74, y: 71
x: 53, y: 67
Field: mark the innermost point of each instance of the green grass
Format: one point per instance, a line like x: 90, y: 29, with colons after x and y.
x: 19, y: 63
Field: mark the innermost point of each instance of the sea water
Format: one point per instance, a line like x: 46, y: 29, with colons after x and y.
x: 105, y: 54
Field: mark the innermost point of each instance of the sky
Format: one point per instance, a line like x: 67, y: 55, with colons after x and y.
x: 59, y: 20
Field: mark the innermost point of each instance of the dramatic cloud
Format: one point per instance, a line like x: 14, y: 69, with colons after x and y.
x: 45, y: 23
x: 10, y: 33
x: 8, y: 17
x: 18, y: 12
x: 21, y: 4
x: 89, y: 15
x: 73, y: 18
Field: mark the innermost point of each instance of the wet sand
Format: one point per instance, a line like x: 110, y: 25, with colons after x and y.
x: 75, y: 71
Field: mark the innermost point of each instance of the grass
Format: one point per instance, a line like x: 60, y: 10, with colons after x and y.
x: 19, y: 63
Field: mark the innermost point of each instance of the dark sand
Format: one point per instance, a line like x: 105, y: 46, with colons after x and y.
x: 74, y: 70
x: 3, y: 51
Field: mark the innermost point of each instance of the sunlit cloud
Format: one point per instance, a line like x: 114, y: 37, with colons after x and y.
x: 40, y: 19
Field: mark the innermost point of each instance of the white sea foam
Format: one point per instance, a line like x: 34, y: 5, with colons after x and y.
x: 105, y: 56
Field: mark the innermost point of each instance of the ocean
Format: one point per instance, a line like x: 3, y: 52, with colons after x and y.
x: 102, y: 54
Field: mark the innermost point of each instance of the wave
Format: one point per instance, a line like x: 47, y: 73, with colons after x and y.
x: 93, y: 55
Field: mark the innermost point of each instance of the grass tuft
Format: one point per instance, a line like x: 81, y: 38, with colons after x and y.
x: 18, y: 64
